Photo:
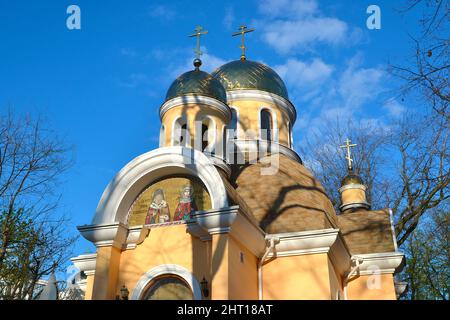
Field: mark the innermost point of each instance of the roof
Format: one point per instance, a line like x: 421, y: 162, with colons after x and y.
x: 246, y: 74
x: 367, y: 231
x: 197, y: 82
x: 291, y: 200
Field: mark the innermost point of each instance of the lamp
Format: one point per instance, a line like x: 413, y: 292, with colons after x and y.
x: 205, y: 288
x: 124, y: 293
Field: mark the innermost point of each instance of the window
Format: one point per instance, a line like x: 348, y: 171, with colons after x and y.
x: 180, y: 135
x: 266, y: 125
x: 168, y: 288
x: 233, y: 124
x: 205, y: 140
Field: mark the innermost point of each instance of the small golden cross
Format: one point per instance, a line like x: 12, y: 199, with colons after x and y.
x: 198, y: 33
x: 349, y: 156
x: 242, y: 32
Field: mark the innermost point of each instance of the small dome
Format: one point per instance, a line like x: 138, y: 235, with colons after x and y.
x: 197, y: 82
x: 245, y: 74
x: 351, y: 178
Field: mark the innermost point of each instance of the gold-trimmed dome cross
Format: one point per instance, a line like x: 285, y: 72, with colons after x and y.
x: 347, y: 146
x: 198, y: 33
x: 242, y: 32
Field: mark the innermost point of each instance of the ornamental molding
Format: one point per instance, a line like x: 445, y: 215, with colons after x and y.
x: 264, y: 96
x: 195, y: 99
x: 104, y: 235
x: 85, y: 263
x: 142, y: 171
x: 164, y: 270
x: 380, y: 263
x: 262, y: 147
x: 312, y: 242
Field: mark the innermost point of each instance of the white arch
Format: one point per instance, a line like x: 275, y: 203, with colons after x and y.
x: 212, y: 133
x: 148, y: 167
x: 167, y: 269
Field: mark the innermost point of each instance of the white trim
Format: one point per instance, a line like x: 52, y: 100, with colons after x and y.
x: 394, y: 238
x: 264, y: 96
x: 273, y: 118
x: 352, y: 186
x: 123, y: 189
x: 167, y: 269
x: 195, y: 99
x: 252, y: 145
x: 85, y: 262
x: 386, y: 262
x: 162, y: 136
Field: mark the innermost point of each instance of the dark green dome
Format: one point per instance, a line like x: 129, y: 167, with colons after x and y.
x: 197, y: 82
x: 245, y: 74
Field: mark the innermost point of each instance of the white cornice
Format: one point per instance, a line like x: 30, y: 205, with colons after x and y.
x: 263, y: 96
x: 195, y: 99
x: 257, y: 146
x: 102, y: 235
x: 136, y: 235
x: 304, y: 242
x: 217, y: 221
x: 385, y: 262
x: 85, y: 263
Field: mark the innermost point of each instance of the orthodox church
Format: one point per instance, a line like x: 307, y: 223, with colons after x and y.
x: 225, y: 208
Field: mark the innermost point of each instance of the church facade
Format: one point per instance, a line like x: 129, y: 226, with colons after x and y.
x: 225, y: 208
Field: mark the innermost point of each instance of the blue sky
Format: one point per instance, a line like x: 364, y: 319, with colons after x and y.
x: 101, y: 87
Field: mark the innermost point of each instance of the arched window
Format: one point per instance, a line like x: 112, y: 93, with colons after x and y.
x: 168, y: 288
x: 233, y: 124
x: 180, y: 134
x: 266, y: 125
x: 205, y: 133
x: 291, y: 140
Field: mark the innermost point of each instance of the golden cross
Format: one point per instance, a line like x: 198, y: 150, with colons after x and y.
x: 198, y: 33
x: 242, y: 32
x: 349, y: 156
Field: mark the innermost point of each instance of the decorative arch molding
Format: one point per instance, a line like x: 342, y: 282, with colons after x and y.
x: 151, y: 166
x: 167, y: 269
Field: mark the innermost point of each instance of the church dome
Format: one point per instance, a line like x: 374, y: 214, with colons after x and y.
x: 351, y: 178
x: 246, y: 74
x: 197, y: 82
x: 289, y: 201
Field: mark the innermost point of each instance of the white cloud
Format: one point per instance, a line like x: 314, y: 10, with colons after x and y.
x: 299, y: 74
x: 228, y: 19
x: 394, y: 108
x: 210, y: 62
x: 292, y: 24
x: 162, y: 11
x: 288, y: 8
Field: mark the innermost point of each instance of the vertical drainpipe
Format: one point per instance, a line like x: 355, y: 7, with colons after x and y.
x: 260, y: 264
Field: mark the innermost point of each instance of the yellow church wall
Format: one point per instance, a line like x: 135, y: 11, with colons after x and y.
x: 89, y: 287
x: 243, y: 275
x: 248, y: 118
x: 106, y: 273
x: 192, y: 113
x: 335, y: 282
x: 353, y: 195
x: 232, y: 278
x: 303, y: 277
x: 219, y: 267
x: 364, y: 288
x: 164, y: 245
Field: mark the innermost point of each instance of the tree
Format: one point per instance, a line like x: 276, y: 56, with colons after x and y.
x: 33, y: 236
x: 427, y: 251
x: 429, y: 65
